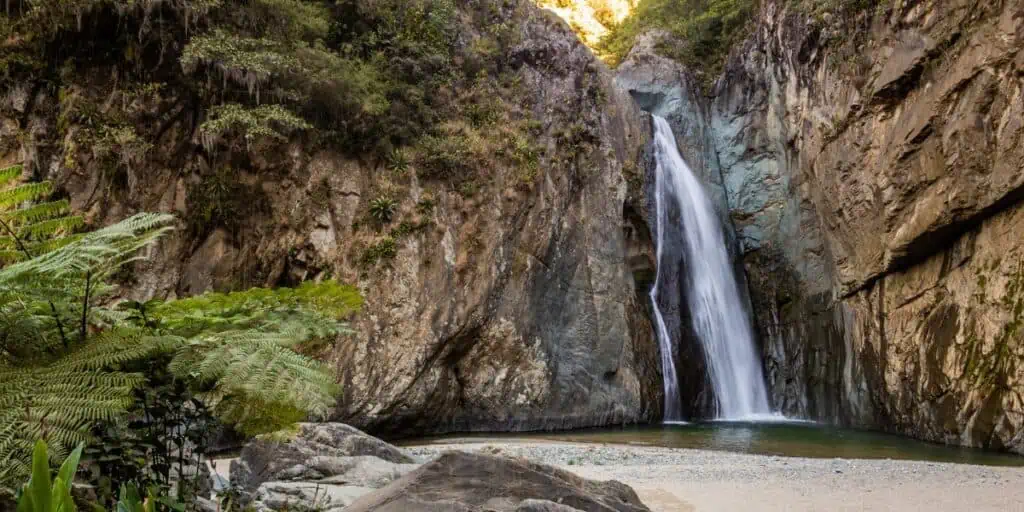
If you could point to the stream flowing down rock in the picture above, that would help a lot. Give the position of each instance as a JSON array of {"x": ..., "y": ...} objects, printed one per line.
[{"x": 473, "y": 482}]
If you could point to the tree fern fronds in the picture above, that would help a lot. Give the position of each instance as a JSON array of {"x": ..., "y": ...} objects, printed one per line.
[
  {"x": 255, "y": 367},
  {"x": 38, "y": 212},
  {"x": 50, "y": 227},
  {"x": 12, "y": 252},
  {"x": 98, "y": 252},
  {"x": 114, "y": 347},
  {"x": 14, "y": 196},
  {"x": 9, "y": 174},
  {"x": 328, "y": 298}
]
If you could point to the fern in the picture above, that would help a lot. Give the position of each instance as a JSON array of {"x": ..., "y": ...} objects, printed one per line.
[
  {"x": 34, "y": 229},
  {"x": 57, "y": 379},
  {"x": 240, "y": 349},
  {"x": 63, "y": 353}
]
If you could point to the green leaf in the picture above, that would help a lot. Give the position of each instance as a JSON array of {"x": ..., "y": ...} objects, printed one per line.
[
  {"x": 25, "y": 501},
  {"x": 40, "y": 483},
  {"x": 173, "y": 505},
  {"x": 60, "y": 496},
  {"x": 70, "y": 465}
]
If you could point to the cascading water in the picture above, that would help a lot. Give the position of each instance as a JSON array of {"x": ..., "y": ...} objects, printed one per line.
[{"x": 713, "y": 296}]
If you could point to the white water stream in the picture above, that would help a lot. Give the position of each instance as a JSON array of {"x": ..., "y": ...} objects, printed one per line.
[{"x": 712, "y": 293}]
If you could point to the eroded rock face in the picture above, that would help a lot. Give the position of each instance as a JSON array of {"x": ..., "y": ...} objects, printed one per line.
[
  {"x": 509, "y": 303},
  {"x": 875, "y": 188},
  {"x": 465, "y": 482},
  {"x": 519, "y": 311},
  {"x": 884, "y": 244}
]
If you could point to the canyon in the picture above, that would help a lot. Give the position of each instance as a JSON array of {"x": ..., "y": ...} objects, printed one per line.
[{"x": 867, "y": 167}]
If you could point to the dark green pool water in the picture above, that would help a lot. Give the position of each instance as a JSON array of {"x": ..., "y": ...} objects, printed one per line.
[{"x": 782, "y": 439}]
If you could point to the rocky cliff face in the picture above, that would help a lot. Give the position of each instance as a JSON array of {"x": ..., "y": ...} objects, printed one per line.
[
  {"x": 519, "y": 311},
  {"x": 508, "y": 301},
  {"x": 874, "y": 184}
]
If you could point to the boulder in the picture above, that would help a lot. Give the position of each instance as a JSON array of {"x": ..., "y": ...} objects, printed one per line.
[
  {"x": 469, "y": 482},
  {"x": 298, "y": 496},
  {"x": 325, "y": 463}
]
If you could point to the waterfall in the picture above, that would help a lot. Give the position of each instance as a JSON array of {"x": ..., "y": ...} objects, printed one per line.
[{"x": 719, "y": 319}]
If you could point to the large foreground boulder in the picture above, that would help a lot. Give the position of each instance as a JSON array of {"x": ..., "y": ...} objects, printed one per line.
[
  {"x": 324, "y": 466},
  {"x": 469, "y": 482}
]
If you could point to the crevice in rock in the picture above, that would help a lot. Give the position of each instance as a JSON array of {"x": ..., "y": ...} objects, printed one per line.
[{"x": 940, "y": 239}]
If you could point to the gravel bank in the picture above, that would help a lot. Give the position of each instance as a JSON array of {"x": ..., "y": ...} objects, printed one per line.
[{"x": 674, "y": 480}]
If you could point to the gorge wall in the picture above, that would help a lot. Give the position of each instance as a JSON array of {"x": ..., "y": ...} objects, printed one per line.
[
  {"x": 492, "y": 207},
  {"x": 872, "y": 165},
  {"x": 503, "y": 257}
]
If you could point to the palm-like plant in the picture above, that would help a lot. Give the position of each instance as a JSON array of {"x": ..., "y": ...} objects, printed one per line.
[{"x": 383, "y": 209}]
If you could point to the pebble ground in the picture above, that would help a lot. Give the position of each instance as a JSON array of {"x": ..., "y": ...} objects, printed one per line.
[{"x": 681, "y": 480}]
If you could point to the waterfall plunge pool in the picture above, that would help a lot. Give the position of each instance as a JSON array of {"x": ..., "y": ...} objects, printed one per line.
[{"x": 776, "y": 438}]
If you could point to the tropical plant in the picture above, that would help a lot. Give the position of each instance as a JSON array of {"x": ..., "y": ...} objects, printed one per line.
[
  {"x": 68, "y": 362},
  {"x": 44, "y": 226},
  {"x": 43, "y": 494},
  {"x": 59, "y": 347},
  {"x": 398, "y": 161},
  {"x": 383, "y": 209},
  {"x": 130, "y": 500}
]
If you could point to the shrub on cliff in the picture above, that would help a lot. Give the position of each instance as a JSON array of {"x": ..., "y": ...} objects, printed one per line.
[{"x": 702, "y": 32}]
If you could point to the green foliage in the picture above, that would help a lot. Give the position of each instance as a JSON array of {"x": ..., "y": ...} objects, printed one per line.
[
  {"x": 55, "y": 371},
  {"x": 67, "y": 363},
  {"x": 220, "y": 199},
  {"x": 702, "y": 31},
  {"x": 43, "y": 494},
  {"x": 130, "y": 501},
  {"x": 301, "y": 307},
  {"x": 425, "y": 205},
  {"x": 344, "y": 68},
  {"x": 448, "y": 157},
  {"x": 367, "y": 78},
  {"x": 41, "y": 227},
  {"x": 383, "y": 209},
  {"x": 264, "y": 121},
  {"x": 398, "y": 161},
  {"x": 382, "y": 250},
  {"x": 239, "y": 349}
]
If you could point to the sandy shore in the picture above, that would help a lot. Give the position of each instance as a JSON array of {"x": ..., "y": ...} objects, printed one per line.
[{"x": 674, "y": 480}]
